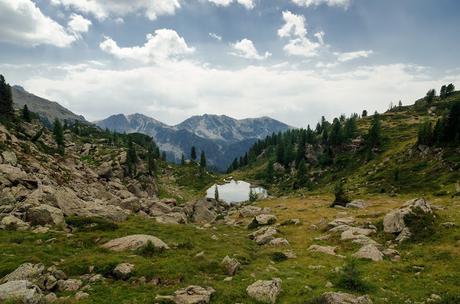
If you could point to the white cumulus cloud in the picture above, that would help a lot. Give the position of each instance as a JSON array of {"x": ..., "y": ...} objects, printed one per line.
[
  {"x": 249, "y": 4},
  {"x": 307, "y": 3},
  {"x": 78, "y": 24},
  {"x": 23, "y": 23},
  {"x": 162, "y": 45},
  {"x": 295, "y": 29},
  {"x": 103, "y": 9},
  {"x": 344, "y": 57},
  {"x": 245, "y": 48}
]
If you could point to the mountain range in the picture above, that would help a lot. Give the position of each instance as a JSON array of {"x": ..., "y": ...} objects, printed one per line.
[{"x": 222, "y": 138}]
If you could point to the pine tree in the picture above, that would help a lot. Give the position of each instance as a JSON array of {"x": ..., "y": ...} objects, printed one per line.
[
  {"x": 450, "y": 89},
  {"x": 335, "y": 137},
  {"x": 216, "y": 193},
  {"x": 59, "y": 136},
  {"x": 203, "y": 160},
  {"x": 443, "y": 92},
  {"x": 374, "y": 134},
  {"x": 26, "y": 113},
  {"x": 6, "y": 99},
  {"x": 430, "y": 95},
  {"x": 350, "y": 128},
  {"x": 364, "y": 114},
  {"x": 301, "y": 176},
  {"x": 193, "y": 153},
  {"x": 163, "y": 156},
  {"x": 341, "y": 198},
  {"x": 269, "y": 172},
  {"x": 151, "y": 161},
  {"x": 280, "y": 153},
  {"x": 131, "y": 158},
  {"x": 182, "y": 159},
  {"x": 452, "y": 127}
]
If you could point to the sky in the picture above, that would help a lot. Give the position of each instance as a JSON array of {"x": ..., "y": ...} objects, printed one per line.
[{"x": 293, "y": 60}]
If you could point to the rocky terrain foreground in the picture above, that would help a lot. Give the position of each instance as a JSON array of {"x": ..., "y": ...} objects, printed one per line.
[{"x": 79, "y": 229}]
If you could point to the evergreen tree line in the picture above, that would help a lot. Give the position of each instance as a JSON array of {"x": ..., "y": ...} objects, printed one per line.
[
  {"x": 445, "y": 132},
  {"x": 290, "y": 147},
  {"x": 444, "y": 92}
]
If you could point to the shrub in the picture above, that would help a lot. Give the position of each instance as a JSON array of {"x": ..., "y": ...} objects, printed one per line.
[
  {"x": 350, "y": 278},
  {"x": 149, "y": 250},
  {"x": 278, "y": 257},
  {"x": 422, "y": 225},
  {"x": 449, "y": 299},
  {"x": 341, "y": 197},
  {"x": 87, "y": 224}
]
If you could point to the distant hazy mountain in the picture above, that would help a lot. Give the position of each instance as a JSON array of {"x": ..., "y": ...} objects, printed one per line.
[
  {"x": 47, "y": 110},
  {"x": 221, "y": 137}
]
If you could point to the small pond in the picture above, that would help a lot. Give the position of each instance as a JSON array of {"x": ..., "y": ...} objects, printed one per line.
[{"x": 235, "y": 192}]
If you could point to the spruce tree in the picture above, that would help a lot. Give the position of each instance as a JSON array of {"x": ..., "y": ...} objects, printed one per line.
[
  {"x": 335, "y": 137},
  {"x": 182, "y": 159},
  {"x": 430, "y": 95},
  {"x": 269, "y": 172},
  {"x": 59, "y": 136},
  {"x": 216, "y": 193},
  {"x": 450, "y": 89},
  {"x": 374, "y": 139},
  {"x": 151, "y": 161},
  {"x": 193, "y": 153},
  {"x": 26, "y": 113},
  {"x": 203, "y": 160},
  {"x": 301, "y": 177},
  {"x": 131, "y": 159},
  {"x": 443, "y": 92},
  {"x": 6, "y": 99}
]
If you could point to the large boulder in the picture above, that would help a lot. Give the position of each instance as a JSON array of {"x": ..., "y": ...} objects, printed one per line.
[
  {"x": 265, "y": 219},
  {"x": 123, "y": 271},
  {"x": 344, "y": 298},
  {"x": 26, "y": 271},
  {"x": 21, "y": 291},
  {"x": 190, "y": 295},
  {"x": 394, "y": 222},
  {"x": 204, "y": 211},
  {"x": 323, "y": 249},
  {"x": 9, "y": 158},
  {"x": 172, "y": 218},
  {"x": 265, "y": 291},
  {"x": 264, "y": 235},
  {"x": 369, "y": 252},
  {"x": 45, "y": 215},
  {"x": 105, "y": 170},
  {"x": 69, "y": 285},
  {"x": 252, "y": 211},
  {"x": 11, "y": 222},
  {"x": 230, "y": 265},
  {"x": 134, "y": 242}
]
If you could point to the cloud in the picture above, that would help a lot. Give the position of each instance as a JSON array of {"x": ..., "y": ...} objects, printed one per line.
[
  {"x": 299, "y": 44},
  {"x": 173, "y": 91},
  {"x": 23, "y": 23},
  {"x": 78, "y": 24},
  {"x": 215, "y": 36},
  {"x": 249, "y": 4},
  {"x": 344, "y": 57},
  {"x": 307, "y": 3},
  {"x": 163, "y": 44},
  {"x": 245, "y": 48},
  {"x": 102, "y": 9}
]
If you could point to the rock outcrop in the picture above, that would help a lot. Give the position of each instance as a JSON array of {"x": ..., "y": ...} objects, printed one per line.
[
  {"x": 265, "y": 291},
  {"x": 134, "y": 242}
]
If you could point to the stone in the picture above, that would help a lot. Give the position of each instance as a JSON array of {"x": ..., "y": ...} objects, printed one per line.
[
  {"x": 344, "y": 298},
  {"x": 323, "y": 249},
  {"x": 20, "y": 290},
  {"x": 354, "y": 232},
  {"x": 123, "y": 271},
  {"x": 203, "y": 211},
  {"x": 265, "y": 291},
  {"x": 263, "y": 235},
  {"x": 11, "y": 222},
  {"x": 131, "y": 203},
  {"x": 369, "y": 252},
  {"x": 230, "y": 265},
  {"x": 10, "y": 158},
  {"x": 356, "y": 204},
  {"x": 265, "y": 219},
  {"x": 26, "y": 271},
  {"x": 278, "y": 242},
  {"x": 190, "y": 295},
  {"x": 134, "y": 242},
  {"x": 159, "y": 208},
  {"x": 69, "y": 285},
  {"x": 45, "y": 215},
  {"x": 50, "y": 298},
  {"x": 80, "y": 295},
  {"x": 393, "y": 222},
  {"x": 252, "y": 211},
  {"x": 172, "y": 218},
  {"x": 404, "y": 235},
  {"x": 105, "y": 170},
  {"x": 342, "y": 221}
]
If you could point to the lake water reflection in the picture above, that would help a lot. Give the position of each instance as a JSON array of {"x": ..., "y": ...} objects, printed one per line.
[{"x": 235, "y": 192}]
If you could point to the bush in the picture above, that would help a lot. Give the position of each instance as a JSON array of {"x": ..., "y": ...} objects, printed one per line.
[
  {"x": 422, "y": 225},
  {"x": 278, "y": 257},
  {"x": 149, "y": 250},
  {"x": 341, "y": 197},
  {"x": 87, "y": 224},
  {"x": 350, "y": 278},
  {"x": 449, "y": 299}
]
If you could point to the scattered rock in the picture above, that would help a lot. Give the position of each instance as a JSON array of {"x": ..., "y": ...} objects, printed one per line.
[
  {"x": 252, "y": 211},
  {"x": 230, "y": 265},
  {"x": 323, "y": 249},
  {"x": 278, "y": 242},
  {"x": 21, "y": 290},
  {"x": 26, "y": 271},
  {"x": 263, "y": 235},
  {"x": 81, "y": 295},
  {"x": 123, "y": 271},
  {"x": 133, "y": 242},
  {"x": 356, "y": 204},
  {"x": 10, "y": 222},
  {"x": 265, "y": 291},
  {"x": 369, "y": 252},
  {"x": 190, "y": 295},
  {"x": 393, "y": 222},
  {"x": 344, "y": 298},
  {"x": 45, "y": 215},
  {"x": 342, "y": 221},
  {"x": 69, "y": 285},
  {"x": 265, "y": 219}
]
